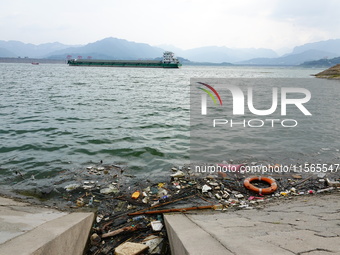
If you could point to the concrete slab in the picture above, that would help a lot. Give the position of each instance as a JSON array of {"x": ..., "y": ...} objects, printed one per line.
[
  {"x": 188, "y": 238},
  {"x": 305, "y": 225},
  {"x": 17, "y": 218},
  {"x": 32, "y": 230}
]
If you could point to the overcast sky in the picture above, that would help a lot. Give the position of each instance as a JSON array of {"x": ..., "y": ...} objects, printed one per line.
[{"x": 273, "y": 24}]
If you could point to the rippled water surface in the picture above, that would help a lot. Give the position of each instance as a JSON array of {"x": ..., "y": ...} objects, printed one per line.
[{"x": 56, "y": 117}]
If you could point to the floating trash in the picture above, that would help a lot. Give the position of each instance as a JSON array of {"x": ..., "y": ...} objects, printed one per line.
[
  {"x": 129, "y": 209},
  {"x": 135, "y": 195},
  {"x": 108, "y": 190},
  {"x": 156, "y": 225},
  {"x": 72, "y": 186}
]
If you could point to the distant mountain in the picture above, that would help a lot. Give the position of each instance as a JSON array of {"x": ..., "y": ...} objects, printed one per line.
[
  {"x": 168, "y": 47},
  {"x": 20, "y": 49},
  {"x": 217, "y": 54},
  {"x": 332, "y": 46},
  {"x": 111, "y": 48},
  {"x": 114, "y": 48},
  {"x": 322, "y": 62},
  {"x": 290, "y": 59},
  {"x": 4, "y": 53},
  {"x": 187, "y": 62},
  {"x": 301, "y": 54}
]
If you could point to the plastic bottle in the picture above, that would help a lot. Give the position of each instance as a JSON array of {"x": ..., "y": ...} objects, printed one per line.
[{"x": 137, "y": 218}]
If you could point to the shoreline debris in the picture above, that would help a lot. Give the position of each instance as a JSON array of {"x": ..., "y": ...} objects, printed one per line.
[{"x": 130, "y": 210}]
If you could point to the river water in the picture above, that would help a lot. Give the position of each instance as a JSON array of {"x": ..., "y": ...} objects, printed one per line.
[{"x": 55, "y": 117}]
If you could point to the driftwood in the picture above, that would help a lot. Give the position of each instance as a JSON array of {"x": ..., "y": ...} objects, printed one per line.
[
  {"x": 159, "y": 205},
  {"x": 301, "y": 182},
  {"x": 175, "y": 210},
  {"x": 119, "y": 231}
]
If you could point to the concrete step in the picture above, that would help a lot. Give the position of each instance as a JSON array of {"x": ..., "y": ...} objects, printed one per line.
[
  {"x": 300, "y": 225},
  {"x": 186, "y": 237},
  {"x": 27, "y": 229}
]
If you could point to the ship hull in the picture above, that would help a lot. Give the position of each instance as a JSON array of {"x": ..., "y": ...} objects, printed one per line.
[{"x": 122, "y": 63}]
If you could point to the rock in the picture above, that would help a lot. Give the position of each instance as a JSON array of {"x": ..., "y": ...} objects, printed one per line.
[
  {"x": 129, "y": 248},
  {"x": 330, "y": 73}
]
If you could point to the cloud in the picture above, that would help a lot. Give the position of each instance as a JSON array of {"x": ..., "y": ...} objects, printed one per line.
[
  {"x": 316, "y": 14},
  {"x": 184, "y": 23}
]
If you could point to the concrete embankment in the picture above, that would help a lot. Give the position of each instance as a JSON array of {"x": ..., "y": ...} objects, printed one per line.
[
  {"x": 304, "y": 225},
  {"x": 27, "y": 229}
]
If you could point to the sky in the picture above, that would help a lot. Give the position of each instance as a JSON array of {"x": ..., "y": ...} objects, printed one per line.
[{"x": 275, "y": 24}]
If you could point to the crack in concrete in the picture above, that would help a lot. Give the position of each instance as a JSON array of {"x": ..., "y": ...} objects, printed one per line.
[
  {"x": 280, "y": 223},
  {"x": 284, "y": 248},
  {"x": 307, "y": 229},
  {"x": 317, "y": 249},
  {"x": 335, "y": 235},
  {"x": 318, "y": 232},
  {"x": 277, "y": 211},
  {"x": 321, "y": 217}
]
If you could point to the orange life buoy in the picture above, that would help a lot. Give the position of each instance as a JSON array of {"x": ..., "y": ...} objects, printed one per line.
[{"x": 269, "y": 180}]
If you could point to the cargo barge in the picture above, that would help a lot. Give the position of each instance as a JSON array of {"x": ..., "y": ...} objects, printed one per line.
[{"x": 168, "y": 61}]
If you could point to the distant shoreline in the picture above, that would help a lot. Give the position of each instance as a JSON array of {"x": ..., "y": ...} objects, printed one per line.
[
  {"x": 184, "y": 63},
  {"x": 32, "y": 60}
]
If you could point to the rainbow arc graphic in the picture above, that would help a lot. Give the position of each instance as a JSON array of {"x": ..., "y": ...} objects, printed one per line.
[{"x": 211, "y": 92}]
